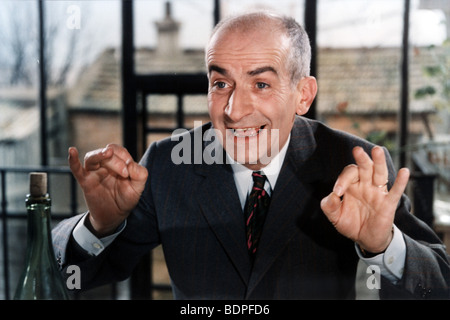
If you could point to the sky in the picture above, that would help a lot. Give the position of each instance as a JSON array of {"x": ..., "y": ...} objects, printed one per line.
[{"x": 341, "y": 23}]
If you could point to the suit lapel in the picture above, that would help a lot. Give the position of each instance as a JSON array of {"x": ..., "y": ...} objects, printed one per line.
[{"x": 220, "y": 206}]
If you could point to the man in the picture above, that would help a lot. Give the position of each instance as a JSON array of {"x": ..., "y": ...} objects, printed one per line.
[{"x": 333, "y": 199}]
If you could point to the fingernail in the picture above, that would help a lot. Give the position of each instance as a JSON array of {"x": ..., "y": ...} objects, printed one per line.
[{"x": 125, "y": 172}]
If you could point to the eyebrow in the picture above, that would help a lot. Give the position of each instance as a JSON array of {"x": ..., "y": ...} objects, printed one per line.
[
  {"x": 250, "y": 73},
  {"x": 262, "y": 70},
  {"x": 217, "y": 69}
]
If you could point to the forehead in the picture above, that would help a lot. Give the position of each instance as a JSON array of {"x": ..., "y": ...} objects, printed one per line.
[{"x": 260, "y": 45}]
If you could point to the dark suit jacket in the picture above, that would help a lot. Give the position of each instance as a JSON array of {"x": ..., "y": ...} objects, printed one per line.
[{"x": 193, "y": 210}]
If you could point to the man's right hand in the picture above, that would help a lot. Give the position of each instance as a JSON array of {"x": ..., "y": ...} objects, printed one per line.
[{"x": 112, "y": 183}]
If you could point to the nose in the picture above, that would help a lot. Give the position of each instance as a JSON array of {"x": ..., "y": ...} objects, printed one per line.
[{"x": 239, "y": 105}]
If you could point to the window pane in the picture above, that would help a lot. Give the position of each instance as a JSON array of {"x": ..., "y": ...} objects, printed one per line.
[
  {"x": 19, "y": 107},
  {"x": 358, "y": 67},
  {"x": 293, "y": 8},
  {"x": 19, "y": 124},
  {"x": 430, "y": 90}
]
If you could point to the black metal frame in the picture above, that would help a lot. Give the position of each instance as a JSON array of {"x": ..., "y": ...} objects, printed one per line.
[
  {"x": 404, "y": 95},
  {"x": 42, "y": 86}
]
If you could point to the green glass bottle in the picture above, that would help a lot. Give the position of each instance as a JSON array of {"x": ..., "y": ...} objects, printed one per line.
[{"x": 41, "y": 278}]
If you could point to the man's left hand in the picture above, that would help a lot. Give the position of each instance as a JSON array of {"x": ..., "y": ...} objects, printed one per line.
[{"x": 360, "y": 206}]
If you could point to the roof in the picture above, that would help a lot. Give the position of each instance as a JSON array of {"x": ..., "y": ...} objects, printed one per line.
[
  {"x": 19, "y": 106},
  {"x": 364, "y": 80},
  {"x": 367, "y": 80},
  {"x": 99, "y": 86},
  {"x": 12, "y": 120}
]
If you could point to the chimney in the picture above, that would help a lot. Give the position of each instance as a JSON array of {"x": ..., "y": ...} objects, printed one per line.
[{"x": 168, "y": 28}]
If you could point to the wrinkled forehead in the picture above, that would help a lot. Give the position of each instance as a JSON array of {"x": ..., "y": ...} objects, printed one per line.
[
  {"x": 247, "y": 30},
  {"x": 247, "y": 41}
]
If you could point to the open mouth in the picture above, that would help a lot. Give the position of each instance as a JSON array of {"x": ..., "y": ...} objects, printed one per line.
[{"x": 247, "y": 132}]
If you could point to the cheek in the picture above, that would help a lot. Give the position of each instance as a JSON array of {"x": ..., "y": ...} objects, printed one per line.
[
  {"x": 210, "y": 103},
  {"x": 216, "y": 113},
  {"x": 282, "y": 107},
  {"x": 214, "y": 106}
]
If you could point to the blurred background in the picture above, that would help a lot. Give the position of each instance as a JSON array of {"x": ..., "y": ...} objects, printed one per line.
[{"x": 89, "y": 73}]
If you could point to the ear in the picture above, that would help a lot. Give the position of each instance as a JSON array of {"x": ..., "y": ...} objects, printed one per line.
[{"x": 306, "y": 91}]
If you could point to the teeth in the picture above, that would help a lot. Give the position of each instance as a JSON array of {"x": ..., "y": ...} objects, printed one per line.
[{"x": 246, "y": 132}]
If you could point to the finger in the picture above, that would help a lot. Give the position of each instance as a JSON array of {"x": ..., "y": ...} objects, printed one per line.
[
  {"x": 331, "y": 207},
  {"x": 348, "y": 176},
  {"x": 365, "y": 165},
  {"x": 112, "y": 158},
  {"x": 120, "y": 160},
  {"x": 380, "y": 170},
  {"x": 136, "y": 171},
  {"x": 75, "y": 164},
  {"x": 120, "y": 152},
  {"x": 399, "y": 186},
  {"x": 116, "y": 165},
  {"x": 93, "y": 159}
]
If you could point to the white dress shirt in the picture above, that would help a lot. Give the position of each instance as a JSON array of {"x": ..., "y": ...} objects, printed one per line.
[{"x": 243, "y": 175}]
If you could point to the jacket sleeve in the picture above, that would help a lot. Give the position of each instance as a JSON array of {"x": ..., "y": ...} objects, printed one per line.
[
  {"x": 427, "y": 270},
  {"x": 61, "y": 237},
  {"x": 117, "y": 261},
  {"x": 426, "y": 274}
]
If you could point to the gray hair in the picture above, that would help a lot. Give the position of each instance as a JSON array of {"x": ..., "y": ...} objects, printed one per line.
[{"x": 299, "y": 58}]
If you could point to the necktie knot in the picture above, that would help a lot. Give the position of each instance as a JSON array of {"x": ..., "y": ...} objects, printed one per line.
[{"x": 258, "y": 180}]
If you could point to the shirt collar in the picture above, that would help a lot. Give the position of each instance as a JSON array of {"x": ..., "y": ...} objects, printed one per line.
[{"x": 242, "y": 175}]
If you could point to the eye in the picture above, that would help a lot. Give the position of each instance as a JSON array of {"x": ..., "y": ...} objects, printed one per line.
[
  {"x": 262, "y": 85},
  {"x": 220, "y": 84}
]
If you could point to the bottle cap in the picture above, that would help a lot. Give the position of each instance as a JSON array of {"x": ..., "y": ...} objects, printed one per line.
[{"x": 38, "y": 183}]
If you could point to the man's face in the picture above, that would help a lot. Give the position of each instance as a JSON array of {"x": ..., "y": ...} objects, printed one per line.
[{"x": 251, "y": 100}]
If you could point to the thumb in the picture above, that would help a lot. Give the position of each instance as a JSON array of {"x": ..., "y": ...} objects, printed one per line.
[
  {"x": 138, "y": 173},
  {"x": 331, "y": 206}
]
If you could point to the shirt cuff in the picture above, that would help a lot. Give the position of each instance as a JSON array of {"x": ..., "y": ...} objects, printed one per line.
[
  {"x": 392, "y": 261},
  {"x": 93, "y": 245}
]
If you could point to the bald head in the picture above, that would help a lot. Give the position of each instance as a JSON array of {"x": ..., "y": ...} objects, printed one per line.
[{"x": 299, "y": 57}]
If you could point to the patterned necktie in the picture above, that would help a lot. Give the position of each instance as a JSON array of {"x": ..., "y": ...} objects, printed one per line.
[{"x": 256, "y": 209}]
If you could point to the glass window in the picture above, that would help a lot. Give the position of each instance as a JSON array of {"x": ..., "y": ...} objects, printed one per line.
[
  {"x": 430, "y": 90},
  {"x": 80, "y": 101},
  {"x": 359, "y": 59}
]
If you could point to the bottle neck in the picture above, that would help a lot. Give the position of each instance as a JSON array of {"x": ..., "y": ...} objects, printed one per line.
[
  {"x": 41, "y": 279},
  {"x": 39, "y": 236}
]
